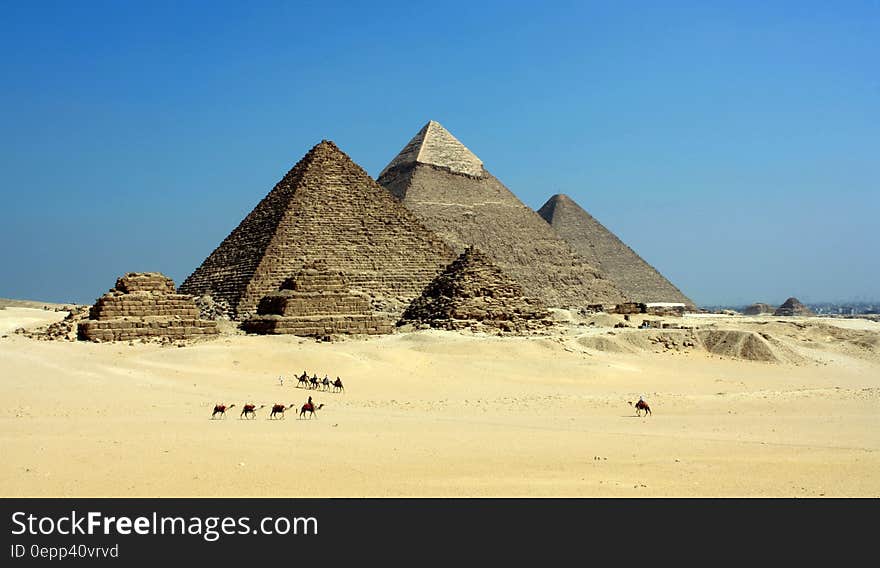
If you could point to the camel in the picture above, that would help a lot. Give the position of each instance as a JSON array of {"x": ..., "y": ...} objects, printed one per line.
[
  {"x": 337, "y": 385},
  {"x": 310, "y": 407},
  {"x": 325, "y": 384},
  {"x": 250, "y": 409},
  {"x": 313, "y": 382},
  {"x": 303, "y": 380},
  {"x": 278, "y": 409},
  {"x": 221, "y": 410},
  {"x": 640, "y": 406}
]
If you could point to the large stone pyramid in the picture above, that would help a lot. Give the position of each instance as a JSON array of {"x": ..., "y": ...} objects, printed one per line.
[
  {"x": 636, "y": 278},
  {"x": 474, "y": 291},
  {"x": 447, "y": 187},
  {"x": 326, "y": 208}
]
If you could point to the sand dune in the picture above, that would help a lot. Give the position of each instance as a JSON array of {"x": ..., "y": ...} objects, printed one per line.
[{"x": 441, "y": 413}]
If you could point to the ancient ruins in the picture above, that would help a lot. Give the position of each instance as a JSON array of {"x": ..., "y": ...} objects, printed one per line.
[
  {"x": 633, "y": 276},
  {"x": 793, "y": 307},
  {"x": 473, "y": 292},
  {"x": 448, "y": 188},
  {"x": 317, "y": 302},
  {"x": 144, "y": 305},
  {"x": 326, "y": 207},
  {"x": 758, "y": 309}
]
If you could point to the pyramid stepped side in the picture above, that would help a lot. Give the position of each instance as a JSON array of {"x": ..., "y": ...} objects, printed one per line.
[
  {"x": 473, "y": 290},
  {"x": 316, "y": 303},
  {"x": 599, "y": 246},
  {"x": 327, "y": 208},
  {"x": 465, "y": 210},
  {"x": 144, "y": 305}
]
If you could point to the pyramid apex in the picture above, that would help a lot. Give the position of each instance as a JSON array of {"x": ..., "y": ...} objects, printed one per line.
[{"x": 436, "y": 146}]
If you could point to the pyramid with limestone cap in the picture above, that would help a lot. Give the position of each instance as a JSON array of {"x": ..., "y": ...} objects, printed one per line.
[
  {"x": 326, "y": 208},
  {"x": 447, "y": 187},
  {"x": 436, "y": 146},
  {"x": 602, "y": 248}
]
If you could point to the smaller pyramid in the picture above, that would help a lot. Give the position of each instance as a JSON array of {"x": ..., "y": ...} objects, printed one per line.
[
  {"x": 793, "y": 307},
  {"x": 316, "y": 302},
  {"x": 637, "y": 279},
  {"x": 758, "y": 309},
  {"x": 473, "y": 291},
  {"x": 144, "y": 305}
]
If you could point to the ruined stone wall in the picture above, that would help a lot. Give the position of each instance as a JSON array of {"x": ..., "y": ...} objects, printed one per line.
[
  {"x": 319, "y": 326},
  {"x": 145, "y": 327},
  {"x": 603, "y": 249},
  {"x": 137, "y": 304},
  {"x": 469, "y": 210},
  {"x": 326, "y": 208}
]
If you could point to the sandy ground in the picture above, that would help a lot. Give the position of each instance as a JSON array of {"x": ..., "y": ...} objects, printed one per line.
[{"x": 442, "y": 414}]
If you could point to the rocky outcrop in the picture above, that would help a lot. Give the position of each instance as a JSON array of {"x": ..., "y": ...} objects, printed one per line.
[
  {"x": 317, "y": 302},
  {"x": 475, "y": 293},
  {"x": 144, "y": 305},
  {"x": 793, "y": 307},
  {"x": 446, "y": 186},
  {"x": 326, "y": 207},
  {"x": 758, "y": 309}
]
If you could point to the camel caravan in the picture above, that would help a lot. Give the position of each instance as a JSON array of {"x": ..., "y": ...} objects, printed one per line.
[
  {"x": 249, "y": 410},
  {"x": 314, "y": 383}
]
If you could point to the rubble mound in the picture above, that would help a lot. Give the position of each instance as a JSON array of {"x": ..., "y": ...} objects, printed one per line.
[
  {"x": 473, "y": 292},
  {"x": 64, "y": 330},
  {"x": 144, "y": 305},
  {"x": 211, "y": 309},
  {"x": 746, "y": 345}
]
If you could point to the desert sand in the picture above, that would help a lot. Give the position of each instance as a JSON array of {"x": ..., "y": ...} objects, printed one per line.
[{"x": 433, "y": 413}]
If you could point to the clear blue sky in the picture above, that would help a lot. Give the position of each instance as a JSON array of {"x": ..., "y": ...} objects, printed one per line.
[{"x": 735, "y": 146}]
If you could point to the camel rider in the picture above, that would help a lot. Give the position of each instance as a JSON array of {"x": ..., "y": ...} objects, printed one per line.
[{"x": 310, "y": 403}]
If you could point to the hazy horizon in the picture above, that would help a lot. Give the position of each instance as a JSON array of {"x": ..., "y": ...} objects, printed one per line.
[{"x": 733, "y": 147}]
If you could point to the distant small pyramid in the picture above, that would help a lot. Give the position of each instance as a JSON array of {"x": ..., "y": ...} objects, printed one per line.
[
  {"x": 440, "y": 180},
  {"x": 473, "y": 290},
  {"x": 793, "y": 307},
  {"x": 326, "y": 207},
  {"x": 602, "y": 248}
]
